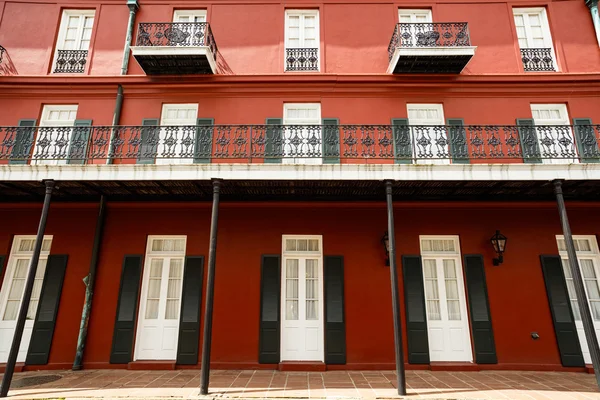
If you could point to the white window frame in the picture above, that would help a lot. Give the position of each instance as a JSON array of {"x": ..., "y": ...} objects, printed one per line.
[
  {"x": 549, "y": 42},
  {"x": 164, "y": 121},
  {"x": 295, "y": 12},
  {"x": 412, "y": 122},
  {"x": 189, "y": 13},
  {"x": 62, "y": 31},
  {"x": 564, "y": 121},
  {"x": 414, "y": 11},
  {"x": 286, "y": 133},
  {"x": 45, "y": 123}
]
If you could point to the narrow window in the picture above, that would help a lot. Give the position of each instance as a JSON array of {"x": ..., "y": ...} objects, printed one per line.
[
  {"x": 54, "y": 134},
  {"x": 73, "y": 41},
  {"x": 535, "y": 41},
  {"x": 429, "y": 135},
  {"x": 554, "y": 133},
  {"x": 302, "y": 40},
  {"x": 177, "y": 134},
  {"x": 302, "y": 141}
]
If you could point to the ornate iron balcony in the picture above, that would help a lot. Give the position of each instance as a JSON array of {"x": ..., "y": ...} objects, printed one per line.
[
  {"x": 302, "y": 59},
  {"x": 2, "y": 51},
  {"x": 446, "y": 34},
  {"x": 70, "y": 61},
  {"x": 301, "y": 143},
  {"x": 537, "y": 60},
  {"x": 176, "y": 34}
]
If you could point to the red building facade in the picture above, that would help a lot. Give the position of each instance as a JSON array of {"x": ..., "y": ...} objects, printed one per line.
[{"x": 300, "y": 111}]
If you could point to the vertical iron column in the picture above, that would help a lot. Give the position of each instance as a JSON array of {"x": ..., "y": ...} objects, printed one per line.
[
  {"x": 210, "y": 290},
  {"x": 89, "y": 281},
  {"x": 401, "y": 382},
  {"x": 582, "y": 300},
  {"x": 35, "y": 258}
]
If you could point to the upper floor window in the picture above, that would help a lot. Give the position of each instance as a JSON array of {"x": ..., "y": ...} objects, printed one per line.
[
  {"x": 554, "y": 134},
  {"x": 302, "y": 143},
  {"x": 535, "y": 41},
  {"x": 429, "y": 135},
  {"x": 73, "y": 41},
  {"x": 55, "y": 135},
  {"x": 416, "y": 28},
  {"x": 189, "y": 16},
  {"x": 414, "y": 16},
  {"x": 302, "y": 40}
]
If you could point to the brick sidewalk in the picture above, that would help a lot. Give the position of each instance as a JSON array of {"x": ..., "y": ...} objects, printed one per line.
[{"x": 314, "y": 385}]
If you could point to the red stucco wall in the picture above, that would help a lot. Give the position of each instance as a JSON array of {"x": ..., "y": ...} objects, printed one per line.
[{"x": 517, "y": 295}]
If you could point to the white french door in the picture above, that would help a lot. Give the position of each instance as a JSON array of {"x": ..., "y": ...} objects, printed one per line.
[
  {"x": 533, "y": 31},
  {"x": 428, "y": 133},
  {"x": 447, "y": 320},
  {"x": 554, "y": 133},
  {"x": 11, "y": 294},
  {"x": 158, "y": 320},
  {"x": 197, "y": 32},
  {"x": 302, "y": 299},
  {"x": 302, "y": 29},
  {"x": 409, "y": 32},
  {"x": 588, "y": 256},
  {"x": 303, "y": 140},
  {"x": 53, "y": 138},
  {"x": 177, "y": 134}
]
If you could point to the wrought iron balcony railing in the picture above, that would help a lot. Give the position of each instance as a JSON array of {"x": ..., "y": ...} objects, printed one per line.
[
  {"x": 176, "y": 34},
  {"x": 70, "y": 61},
  {"x": 537, "y": 60},
  {"x": 302, "y": 59},
  {"x": 2, "y": 51},
  {"x": 442, "y": 34},
  {"x": 301, "y": 143}
]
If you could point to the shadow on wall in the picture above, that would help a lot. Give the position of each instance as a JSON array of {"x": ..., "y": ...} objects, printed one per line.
[
  {"x": 222, "y": 67},
  {"x": 7, "y": 67}
]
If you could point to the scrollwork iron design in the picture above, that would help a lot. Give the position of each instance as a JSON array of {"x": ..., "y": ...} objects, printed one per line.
[
  {"x": 535, "y": 60},
  {"x": 302, "y": 59},
  {"x": 70, "y": 61},
  {"x": 444, "y": 34},
  {"x": 176, "y": 34}
]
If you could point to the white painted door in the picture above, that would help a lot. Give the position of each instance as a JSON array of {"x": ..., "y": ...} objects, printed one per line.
[
  {"x": 554, "y": 133},
  {"x": 428, "y": 133},
  {"x": 409, "y": 31},
  {"x": 588, "y": 255},
  {"x": 447, "y": 320},
  {"x": 76, "y": 30},
  {"x": 177, "y": 134},
  {"x": 302, "y": 299},
  {"x": 12, "y": 290},
  {"x": 533, "y": 31},
  {"x": 302, "y": 29},
  {"x": 303, "y": 140},
  {"x": 53, "y": 138},
  {"x": 158, "y": 320},
  {"x": 196, "y": 31}
]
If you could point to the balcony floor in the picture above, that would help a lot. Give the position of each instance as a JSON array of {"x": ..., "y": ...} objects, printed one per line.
[
  {"x": 175, "y": 60},
  {"x": 430, "y": 60}
]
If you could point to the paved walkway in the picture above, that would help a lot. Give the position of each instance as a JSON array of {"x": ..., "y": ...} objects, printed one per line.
[{"x": 314, "y": 385}]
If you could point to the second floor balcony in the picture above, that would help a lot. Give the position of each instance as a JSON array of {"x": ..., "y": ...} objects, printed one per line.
[
  {"x": 430, "y": 48},
  {"x": 302, "y": 144},
  {"x": 176, "y": 48}
]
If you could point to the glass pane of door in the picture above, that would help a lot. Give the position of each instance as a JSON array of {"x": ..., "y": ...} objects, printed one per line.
[{"x": 291, "y": 289}]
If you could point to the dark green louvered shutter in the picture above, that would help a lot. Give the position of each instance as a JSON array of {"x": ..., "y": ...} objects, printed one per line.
[
  {"x": 189, "y": 318},
  {"x": 562, "y": 315},
  {"x": 331, "y": 141},
  {"x": 458, "y": 141},
  {"x": 80, "y": 137},
  {"x": 402, "y": 141},
  {"x": 479, "y": 311},
  {"x": 335, "y": 321},
  {"x": 587, "y": 143},
  {"x": 45, "y": 319},
  {"x": 149, "y": 138},
  {"x": 269, "y": 330},
  {"x": 274, "y": 140},
  {"x": 204, "y": 140},
  {"x": 23, "y": 141},
  {"x": 122, "y": 344},
  {"x": 416, "y": 317},
  {"x": 530, "y": 147}
]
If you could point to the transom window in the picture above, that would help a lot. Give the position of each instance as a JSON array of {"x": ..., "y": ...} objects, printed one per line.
[{"x": 189, "y": 16}]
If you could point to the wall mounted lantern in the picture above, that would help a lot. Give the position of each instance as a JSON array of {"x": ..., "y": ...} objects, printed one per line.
[
  {"x": 385, "y": 241},
  {"x": 499, "y": 243}
]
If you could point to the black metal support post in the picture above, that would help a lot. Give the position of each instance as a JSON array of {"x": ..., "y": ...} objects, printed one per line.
[
  {"x": 35, "y": 258},
  {"x": 89, "y": 281},
  {"x": 582, "y": 300},
  {"x": 401, "y": 383},
  {"x": 210, "y": 290}
]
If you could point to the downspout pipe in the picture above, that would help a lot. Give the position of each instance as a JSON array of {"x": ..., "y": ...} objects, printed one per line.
[
  {"x": 89, "y": 281},
  {"x": 593, "y": 6}
]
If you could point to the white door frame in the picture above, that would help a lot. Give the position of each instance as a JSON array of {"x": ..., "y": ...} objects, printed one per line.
[
  {"x": 305, "y": 133},
  {"x": 144, "y": 290},
  {"x": 301, "y": 293},
  {"x": 456, "y": 256},
  {"x": 556, "y": 132},
  {"x": 433, "y": 133},
  {"x": 179, "y": 134}
]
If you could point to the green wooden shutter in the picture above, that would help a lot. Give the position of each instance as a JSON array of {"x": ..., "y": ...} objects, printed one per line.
[
  {"x": 402, "y": 141},
  {"x": 585, "y": 137},
  {"x": 122, "y": 343},
  {"x": 335, "y": 321},
  {"x": 204, "y": 140},
  {"x": 530, "y": 146},
  {"x": 457, "y": 133},
  {"x": 149, "y": 138},
  {"x": 80, "y": 137},
  {"x": 479, "y": 311},
  {"x": 562, "y": 315},
  {"x": 189, "y": 318},
  {"x": 45, "y": 319},
  {"x": 416, "y": 318},
  {"x": 21, "y": 150},
  {"x": 274, "y": 141},
  {"x": 269, "y": 331},
  {"x": 331, "y": 141}
]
